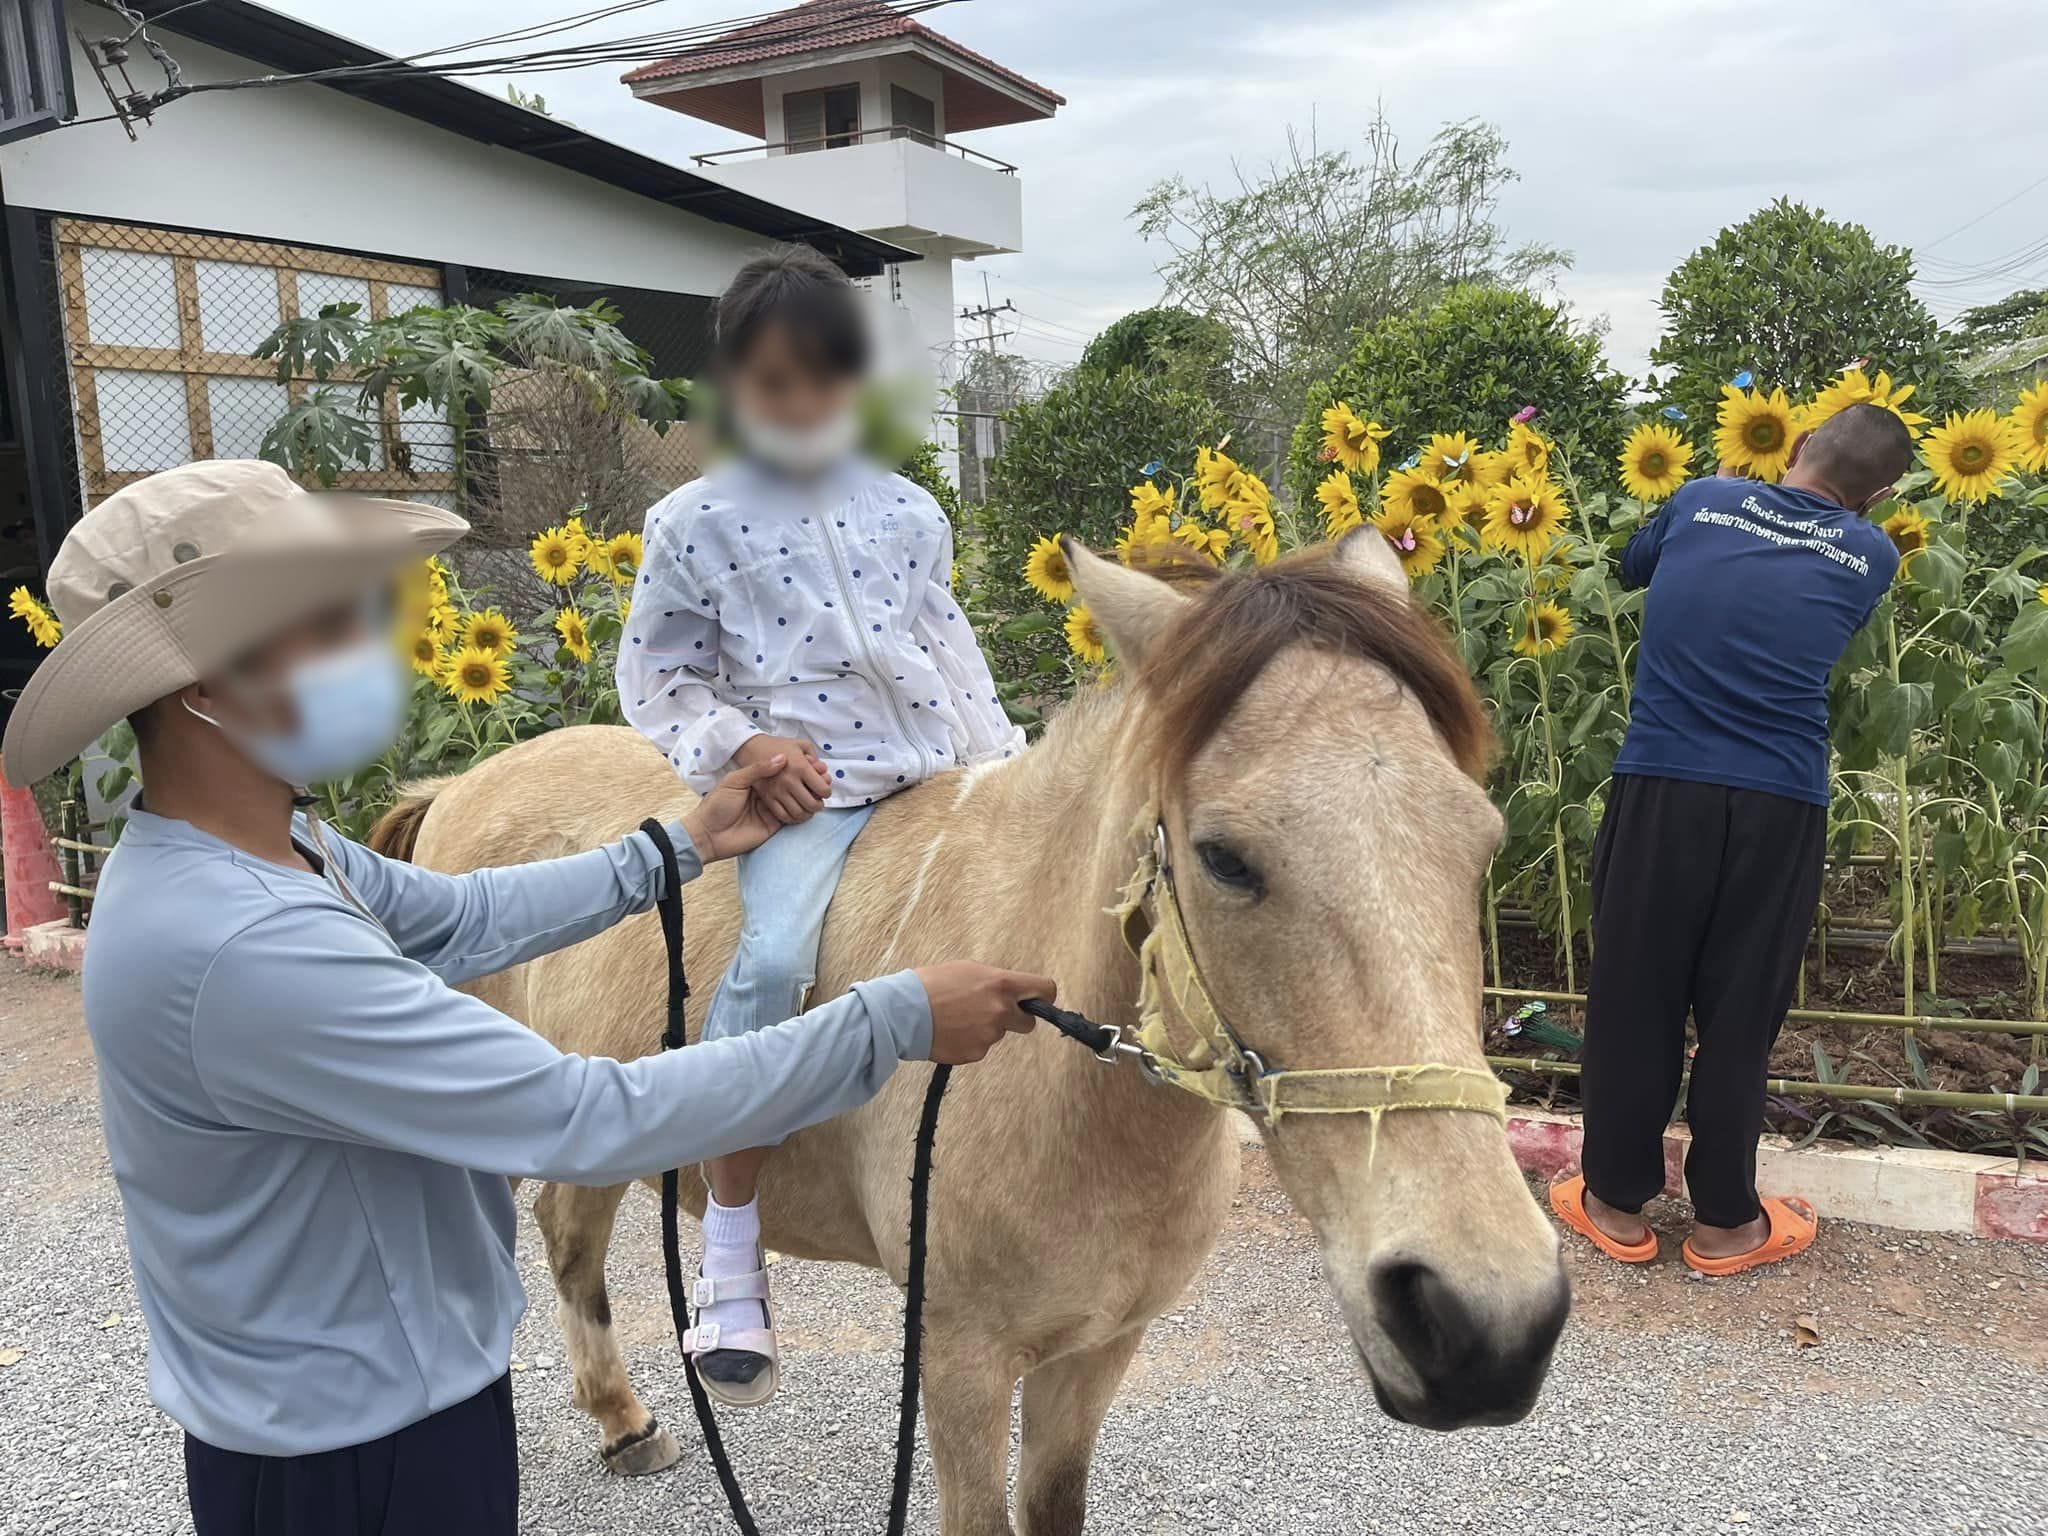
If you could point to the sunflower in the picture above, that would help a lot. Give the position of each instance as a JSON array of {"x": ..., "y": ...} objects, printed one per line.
[
  {"x": 1971, "y": 453},
  {"x": 1527, "y": 452},
  {"x": 1453, "y": 458},
  {"x": 1350, "y": 441},
  {"x": 426, "y": 655},
  {"x": 1544, "y": 628},
  {"x": 574, "y": 633},
  {"x": 42, "y": 623},
  {"x": 1653, "y": 461},
  {"x": 1339, "y": 497},
  {"x": 1414, "y": 494},
  {"x": 1249, "y": 514},
  {"x": 437, "y": 582},
  {"x": 488, "y": 630},
  {"x": 1046, "y": 569},
  {"x": 1084, "y": 635},
  {"x": 1467, "y": 507},
  {"x": 475, "y": 676},
  {"x": 1755, "y": 432},
  {"x": 625, "y": 609},
  {"x": 578, "y": 536},
  {"x": 1523, "y": 517},
  {"x": 1491, "y": 466},
  {"x": 1855, "y": 387},
  {"x": 1907, "y": 530},
  {"x": 557, "y": 554},
  {"x": 1213, "y": 472},
  {"x": 1414, "y": 540},
  {"x": 1148, "y": 502},
  {"x": 2030, "y": 424},
  {"x": 440, "y": 622},
  {"x": 1208, "y": 543},
  {"x": 617, "y": 557}
]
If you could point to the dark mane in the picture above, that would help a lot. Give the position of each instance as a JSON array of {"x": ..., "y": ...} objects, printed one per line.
[{"x": 1240, "y": 620}]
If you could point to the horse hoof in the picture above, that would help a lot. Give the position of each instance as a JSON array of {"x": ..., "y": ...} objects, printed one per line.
[{"x": 652, "y": 1449}]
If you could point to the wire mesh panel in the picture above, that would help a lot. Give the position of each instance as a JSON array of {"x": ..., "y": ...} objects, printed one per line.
[{"x": 159, "y": 327}]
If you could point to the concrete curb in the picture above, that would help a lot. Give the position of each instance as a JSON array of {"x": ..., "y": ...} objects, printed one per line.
[
  {"x": 54, "y": 946},
  {"x": 1904, "y": 1188}
]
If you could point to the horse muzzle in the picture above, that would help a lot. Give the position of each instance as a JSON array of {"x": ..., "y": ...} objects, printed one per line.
[{"x": 1450, "y": 1360}]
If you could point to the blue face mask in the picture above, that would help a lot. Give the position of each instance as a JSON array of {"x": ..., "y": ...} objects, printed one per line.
[{"x": 349, "y": 705}]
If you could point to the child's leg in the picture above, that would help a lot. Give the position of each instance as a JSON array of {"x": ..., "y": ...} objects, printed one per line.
[{"x": 785, "y": 886}]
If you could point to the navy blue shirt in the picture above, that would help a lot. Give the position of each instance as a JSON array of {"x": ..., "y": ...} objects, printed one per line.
[{"x": 1755, "y": 591}]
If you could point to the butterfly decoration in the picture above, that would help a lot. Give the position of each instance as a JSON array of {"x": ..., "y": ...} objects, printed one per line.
[
  {"x": 1742, "y": 380},
  {"x": 1153, "y": 468},
  {"x": 1861, "y": 362},
  {"x": 1524, "y": 416},
  {"x": 1672, "y": 413},
  {"x": 1412, "y": 460}
]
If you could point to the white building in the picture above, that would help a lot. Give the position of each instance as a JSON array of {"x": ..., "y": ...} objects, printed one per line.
[
  {"x": 858, "y": 110},
  {"x": 138, "y": 271}
]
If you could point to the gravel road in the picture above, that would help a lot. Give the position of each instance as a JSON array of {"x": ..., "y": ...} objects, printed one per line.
[{"x": 1677, "y": 1405}]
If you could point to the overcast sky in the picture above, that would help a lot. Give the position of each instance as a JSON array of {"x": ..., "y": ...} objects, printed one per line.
[{"x": 1639, "y": 127}]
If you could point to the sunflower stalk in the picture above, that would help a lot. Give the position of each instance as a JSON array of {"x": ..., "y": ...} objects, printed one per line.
[
  {"x": 1902, "y": 790},
  {"x": 1599, "y": 552},
  {"x": 1555, "y": 770}
]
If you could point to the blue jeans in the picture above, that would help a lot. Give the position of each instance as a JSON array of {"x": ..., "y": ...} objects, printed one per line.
[{"x": 785, "y": 886}]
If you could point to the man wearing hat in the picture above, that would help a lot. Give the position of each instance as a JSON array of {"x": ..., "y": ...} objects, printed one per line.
[{"x": 312, "y": 1131}]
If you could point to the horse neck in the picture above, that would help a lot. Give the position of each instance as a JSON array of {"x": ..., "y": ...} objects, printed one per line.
[{"x": 1067, "y": 824}]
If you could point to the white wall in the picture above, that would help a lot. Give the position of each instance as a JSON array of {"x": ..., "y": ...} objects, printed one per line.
[
  {"x": 306, "y": 164},
  {"x": 897, "y": 189}
]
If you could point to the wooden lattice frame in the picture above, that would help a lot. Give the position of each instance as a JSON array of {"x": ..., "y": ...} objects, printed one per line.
[{"x": 190, "y": 357}]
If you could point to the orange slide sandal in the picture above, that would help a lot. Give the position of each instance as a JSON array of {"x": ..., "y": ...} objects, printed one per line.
[
  {"x": 1793, "y": 1226},
  {"x": 1568, "y": 1199}
]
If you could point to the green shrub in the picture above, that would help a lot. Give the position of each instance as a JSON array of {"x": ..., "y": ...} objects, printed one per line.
[
  {"x": 1466, "y": 364},
  {"x": 1175, "y": 343},
  {"x": 1793, "y": 297},
  {"x": 1067, "y": 466}
]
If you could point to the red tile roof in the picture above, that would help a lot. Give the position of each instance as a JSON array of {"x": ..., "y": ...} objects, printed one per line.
[{"x": 818, "y": 26}]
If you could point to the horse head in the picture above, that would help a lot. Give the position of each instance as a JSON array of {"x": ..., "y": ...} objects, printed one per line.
[{"x": 1317, "y": 749}]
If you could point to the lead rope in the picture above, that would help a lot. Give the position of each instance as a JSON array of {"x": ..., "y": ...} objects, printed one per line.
[{"x": 670, "y": 907}]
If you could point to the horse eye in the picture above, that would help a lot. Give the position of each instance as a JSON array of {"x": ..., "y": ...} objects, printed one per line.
[{"x": 1226, "y": 868}]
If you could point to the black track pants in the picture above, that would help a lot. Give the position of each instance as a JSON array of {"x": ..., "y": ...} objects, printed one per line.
[
  {"x": 1703, "y": 897},
  {"x": 456, "y": 1471}
]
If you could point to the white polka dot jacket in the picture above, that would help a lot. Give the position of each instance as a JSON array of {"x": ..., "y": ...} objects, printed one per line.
[{"x": 817, "y": 610}]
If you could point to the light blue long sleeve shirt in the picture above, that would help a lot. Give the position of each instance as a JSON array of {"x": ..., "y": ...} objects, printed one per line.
[{"x": 312, "y": 1131}]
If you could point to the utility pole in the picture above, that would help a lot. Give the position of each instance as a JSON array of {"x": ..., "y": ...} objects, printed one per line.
[{"x": 986, "y": 313}]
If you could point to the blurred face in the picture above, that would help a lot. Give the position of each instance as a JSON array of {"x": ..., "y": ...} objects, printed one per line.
[
  {"x": 775, "y": 384},
  {"x": 254, "y": 693}
]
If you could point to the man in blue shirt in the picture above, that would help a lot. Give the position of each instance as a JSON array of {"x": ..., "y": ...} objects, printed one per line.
[
  {"x": 1708, "y": 863},
  {"x": 313, "y": 1133}
]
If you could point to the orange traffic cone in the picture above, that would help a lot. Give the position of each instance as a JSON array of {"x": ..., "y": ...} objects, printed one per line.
[{"x": 30, "y": 863}]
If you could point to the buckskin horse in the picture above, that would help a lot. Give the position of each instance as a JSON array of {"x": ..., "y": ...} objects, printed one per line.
[{"x": 1305, "y": 749}]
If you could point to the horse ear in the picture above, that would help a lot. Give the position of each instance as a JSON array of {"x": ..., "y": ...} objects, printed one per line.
[
  {"x": 1133, "y": 609},
  {"x": 1365, "y": 553}
]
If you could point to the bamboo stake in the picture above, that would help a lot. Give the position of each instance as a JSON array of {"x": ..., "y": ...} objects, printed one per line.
[
  {"x": 2035, "y": 1027},
  {"x": 1907, "y": 905},
  {"x": 1931, "y": 1098}
]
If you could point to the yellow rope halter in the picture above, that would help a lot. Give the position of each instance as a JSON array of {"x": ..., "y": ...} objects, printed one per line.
[{"x": 1222, "y": 1070}]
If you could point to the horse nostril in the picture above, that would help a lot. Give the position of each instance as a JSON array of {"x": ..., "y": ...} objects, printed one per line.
[{"x": 1424, "y": 1316}]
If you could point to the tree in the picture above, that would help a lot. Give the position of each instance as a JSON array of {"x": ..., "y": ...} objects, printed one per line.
[
  {"x": 1793, "y": 297},
  {"x": 1164, "y": 340},
  {"x": 2001, "y": 347},
  {"x": 1466, "y": 364},
  {"x": 1306, "y": 252}
]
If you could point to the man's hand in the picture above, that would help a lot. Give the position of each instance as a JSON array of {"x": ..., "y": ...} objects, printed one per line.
[
  {"x": 975, "y": 1005},
  {"x": 734, "y": 818},
  {"x": 795, "y": 791}
]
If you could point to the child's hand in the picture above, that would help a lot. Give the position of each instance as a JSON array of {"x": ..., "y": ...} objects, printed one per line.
[
  {"x": 734, "y": 819},
  {"x": 796, "y": 792}
]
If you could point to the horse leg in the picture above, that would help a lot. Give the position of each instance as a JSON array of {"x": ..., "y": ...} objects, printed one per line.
[
  {"x": 1064, "y": 1403},
  {"x": 577, "y": 1225},
  {"x": 967, "y": 1420}
]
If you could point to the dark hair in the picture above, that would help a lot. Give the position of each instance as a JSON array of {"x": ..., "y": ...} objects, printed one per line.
[
  {"x": 1859, "y": 451},
  {"x": 795, "y": 288},
  {"x": 1240, "y": 620}
]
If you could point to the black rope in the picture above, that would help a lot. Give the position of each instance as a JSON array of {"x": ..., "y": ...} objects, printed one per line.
[
  {"x": 670, "y": 907},
  {"x": 1075, "y": 1026}
]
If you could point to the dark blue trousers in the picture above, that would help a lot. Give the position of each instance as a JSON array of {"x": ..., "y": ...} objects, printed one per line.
[{"x": 456, "y": 1471}]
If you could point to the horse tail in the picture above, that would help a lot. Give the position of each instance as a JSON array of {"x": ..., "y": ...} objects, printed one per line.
[{"x": 398, "y": 829}]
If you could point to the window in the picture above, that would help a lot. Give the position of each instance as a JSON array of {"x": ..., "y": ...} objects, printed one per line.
[
  {"x": 35, "y": 68},
  {"x": 827, "y": 119},
  {"x": 912, "y": 116}
]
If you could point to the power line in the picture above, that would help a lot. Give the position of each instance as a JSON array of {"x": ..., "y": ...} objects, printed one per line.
[{"x": 1973, "y": 223}]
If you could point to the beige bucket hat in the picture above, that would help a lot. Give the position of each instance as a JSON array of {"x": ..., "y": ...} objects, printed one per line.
[{"x": 175, "y": 576}]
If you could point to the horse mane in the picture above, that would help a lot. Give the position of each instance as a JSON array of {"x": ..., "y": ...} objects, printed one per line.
[{"x": 1240, "y": 620}]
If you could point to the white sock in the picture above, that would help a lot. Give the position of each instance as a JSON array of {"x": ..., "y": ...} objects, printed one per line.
[{"x": 732, "y": 1246}]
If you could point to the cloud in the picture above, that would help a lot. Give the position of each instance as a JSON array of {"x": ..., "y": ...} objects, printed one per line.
[{"x": 1638, "y": 129}]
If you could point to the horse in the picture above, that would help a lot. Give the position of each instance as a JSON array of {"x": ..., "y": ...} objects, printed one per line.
[{"x": 1307, "y": 747}]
